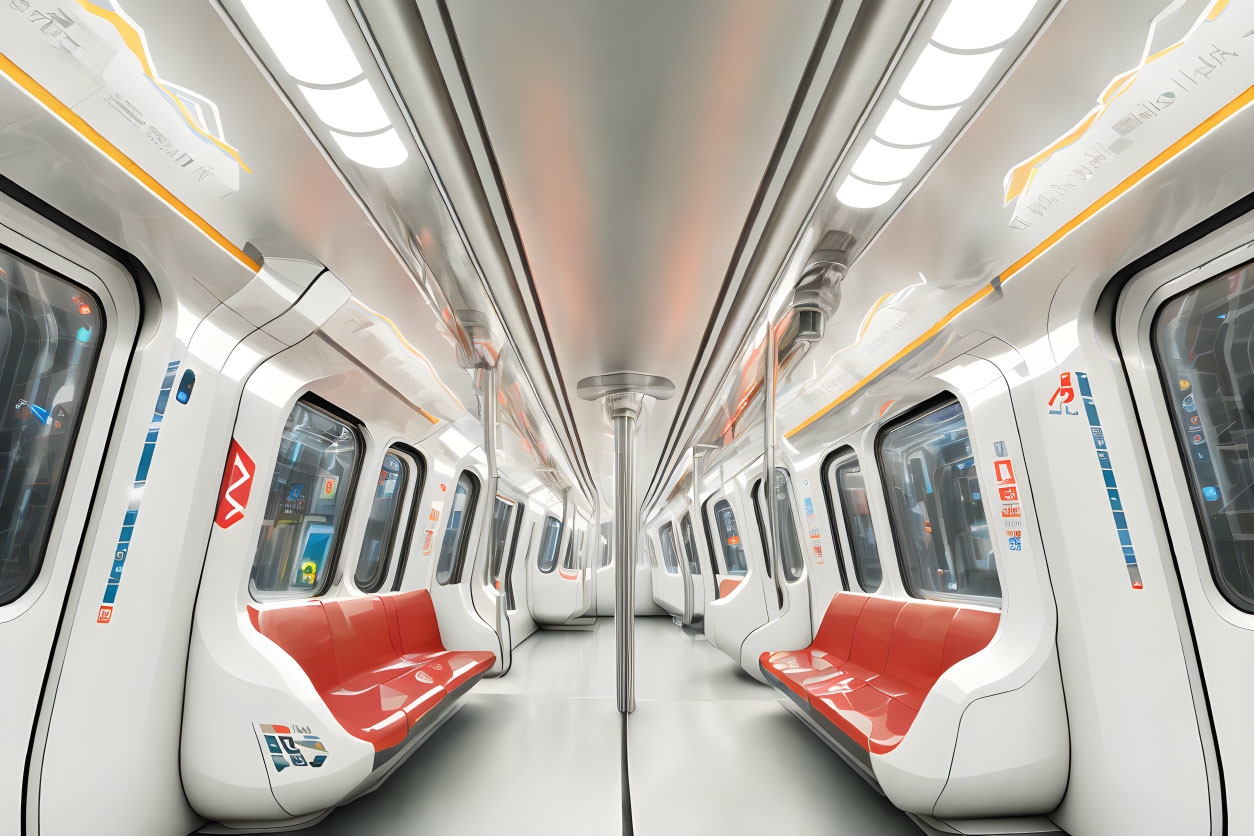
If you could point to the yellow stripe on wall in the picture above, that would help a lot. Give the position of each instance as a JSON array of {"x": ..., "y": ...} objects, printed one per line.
[
  {"x": 77, "y": 123},
  {"x": 1173, "y": 150}
]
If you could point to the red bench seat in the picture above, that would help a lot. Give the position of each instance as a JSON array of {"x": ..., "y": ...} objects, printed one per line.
[
  {"x": 378, "y": 662},
  {"x": 873, "y": 662}
]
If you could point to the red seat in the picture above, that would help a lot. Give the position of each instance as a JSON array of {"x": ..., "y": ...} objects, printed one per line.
[
  {"x": 874, "y": 660},
  {"x": 377, "y": 662},
  {"x": 417, "y": 638}
]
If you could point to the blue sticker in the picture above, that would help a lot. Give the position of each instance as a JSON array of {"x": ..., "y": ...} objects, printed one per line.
[
  {"x": 1211, "y": 493},
  {"x": 1108, "y": 476},
  {"x": 105, "y": 613}
]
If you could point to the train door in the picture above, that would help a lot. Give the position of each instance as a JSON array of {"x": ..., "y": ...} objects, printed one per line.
[
  {"x": 556, "y": 589},
  {"x": 740, "y": 604},
  {"x": 68, "y": 320},
  {"x": 486, "y": 584},
  {"x": 787, "y": 580},
  {"x": 696, "y": 579},
  {"x": 603, "y": 586},
  {"x": 1186, "y": 331},
  {"x": 668, "y": 583}
]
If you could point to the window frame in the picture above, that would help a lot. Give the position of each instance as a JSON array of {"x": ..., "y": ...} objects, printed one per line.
[
  {"x": 723, "y": 546},
  {"x": 706, "y": 513},
  {"x": 457, "y": 570},
  {"x": 111, "y": 318},
  {"x": 664, "y": 531},
  {"x": 691, "y": 551},
  {"x": 402, "y": 533},
  {"x": 937, "y": 402},
  {"x": 506, "y": 546},
  {"x": 838, "y": 519},
  {"x": 557, "y": 547},
  {"x": 755, "y": 499},
  {"x": 520, "y": 511},
  {"x": 339, "y": 532},
  {"x": 1189, "y": 485}
]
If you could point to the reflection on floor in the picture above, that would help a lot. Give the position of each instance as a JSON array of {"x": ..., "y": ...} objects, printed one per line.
[{"x": 711, "y": 751}]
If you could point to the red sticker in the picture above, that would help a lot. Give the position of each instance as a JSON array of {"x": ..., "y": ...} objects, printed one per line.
[
  {"x": 104, "y": 614},
  {"x": 1004, "y": 472},
  {"x": 1009, "y": 494},
  {"x": 237, "y": 483}
]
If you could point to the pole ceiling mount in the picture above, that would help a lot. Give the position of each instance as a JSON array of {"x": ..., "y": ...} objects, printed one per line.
[{"x": 624, "y": 383}]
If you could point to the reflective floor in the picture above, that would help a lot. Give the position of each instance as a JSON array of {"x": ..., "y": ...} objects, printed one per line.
[{"x": 710, "y": 751}]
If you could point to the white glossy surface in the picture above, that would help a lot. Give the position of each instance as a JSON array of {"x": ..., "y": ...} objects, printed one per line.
[{"x": 711, "y": 750}]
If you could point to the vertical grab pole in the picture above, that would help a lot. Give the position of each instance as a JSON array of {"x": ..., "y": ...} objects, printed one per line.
[
  {"x": 489, "y": 383},
  {"x": 624, "y": 419},
  {"x": 623, "y": 394},
  {"x": 770, "y": 483}
]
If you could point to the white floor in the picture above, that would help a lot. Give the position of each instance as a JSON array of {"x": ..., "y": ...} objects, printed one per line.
[{"x": 537, "y": 752}]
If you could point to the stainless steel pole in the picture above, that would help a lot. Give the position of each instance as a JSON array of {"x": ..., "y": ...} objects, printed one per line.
[
  {"x": 625, "y": 554},
  {"x": 769, "y": 485}
]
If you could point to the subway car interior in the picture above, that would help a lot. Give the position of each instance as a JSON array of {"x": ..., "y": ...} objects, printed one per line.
[{"x": 633, "y": 417}]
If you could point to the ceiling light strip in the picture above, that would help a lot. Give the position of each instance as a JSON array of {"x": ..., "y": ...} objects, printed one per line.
[
  {"x": 79, "y": 125},
  {"x": 1175, "y": 149}
]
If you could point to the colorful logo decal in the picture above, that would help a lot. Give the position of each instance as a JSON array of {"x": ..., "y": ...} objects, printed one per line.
[
  {"x": 105, "y": 614},
  {"x": 292, "y": 746},
  {"x": 237, "y": 483},
  {"x": 1063, "y": 395},
  {"x": 329, "y": 485}
]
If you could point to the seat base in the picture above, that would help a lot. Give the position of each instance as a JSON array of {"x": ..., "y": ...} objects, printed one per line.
[{"x": 839, "y": 742}]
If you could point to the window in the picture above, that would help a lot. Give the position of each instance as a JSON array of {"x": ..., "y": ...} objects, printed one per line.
[
  {"x": 549, "y": 542},
  {"x": 729, "y": 539},
  {"x": 574, "y": 551},
  {"x": 856, "y": 513},
  {"x": 307, "y": 505},
  {"x": 690, "y": 545},
  {"x": 510, "y": 602},
  {"x": 934, "y": 502},
  {"x": 607, "y": 552},
  {"x": 448, "y": 568},
  {"x": 762, "y": 535},
  {"x": 502, "y": 510},
  {"x": 670, "y": 559},
  {"x": 1203, "y": 340},
  {"x": 383, "y": 524},
  {"x": 709, "y": 542},
  {"x": 50, "y": 337}
]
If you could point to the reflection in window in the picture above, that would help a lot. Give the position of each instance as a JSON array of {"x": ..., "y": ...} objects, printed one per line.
[
  {"x": 670, "y": 560},
  {"x": 448, "y": 568},
  {"x": 690, "y": 545},
  {"x": 549, "y": 541},
  {"x": 574, "y": 551},
  {"x": 607, "y": 552},
  {"x": 1205, "y": 344},
  {"x": 519, "y": 514},
  {"x": 856, "y": 513},
  {"x": 729, "y": 539},
  {"x": 502, "y": 510},
  {"x": 794, "y": 560},
  {"x": 50, "y": 334},
  {"x": 934, "y": 502},
  {"x": 383, "y": 524},
  {"x": 307, "y": 505}
]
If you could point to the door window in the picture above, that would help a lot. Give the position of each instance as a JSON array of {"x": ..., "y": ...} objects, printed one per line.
[
  {"x": 384, "y": 523},
  {"x": 729, "y": 539},
  {"x": 670, "y": 560},
  {"x": 502, "y": 510},
  {"x": 856, "y": 513},
  {"x": 1204, "y": 340},
  {"x": 549, "y": 542},
  {"x": 457, "y": 530},
  {"x": 50, "y": 336},
  {"x": 690, "y": 545}
]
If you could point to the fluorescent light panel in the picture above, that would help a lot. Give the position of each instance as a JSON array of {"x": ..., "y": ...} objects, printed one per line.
[
  {"x": 354, "y": 108},
  {"x": 882, "y": 163},
  {"x": 940, "y": 78},
  {"x": 980, "y": 24},
  {"x": 381, "y": 150},
  {"x": 905, "y": 124},
  {"x": 859, "y": 194},
  {"x": 306, "y": 39}
]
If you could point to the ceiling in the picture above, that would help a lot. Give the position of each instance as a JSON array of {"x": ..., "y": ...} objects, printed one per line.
[{"x": 631, "y": 139}]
